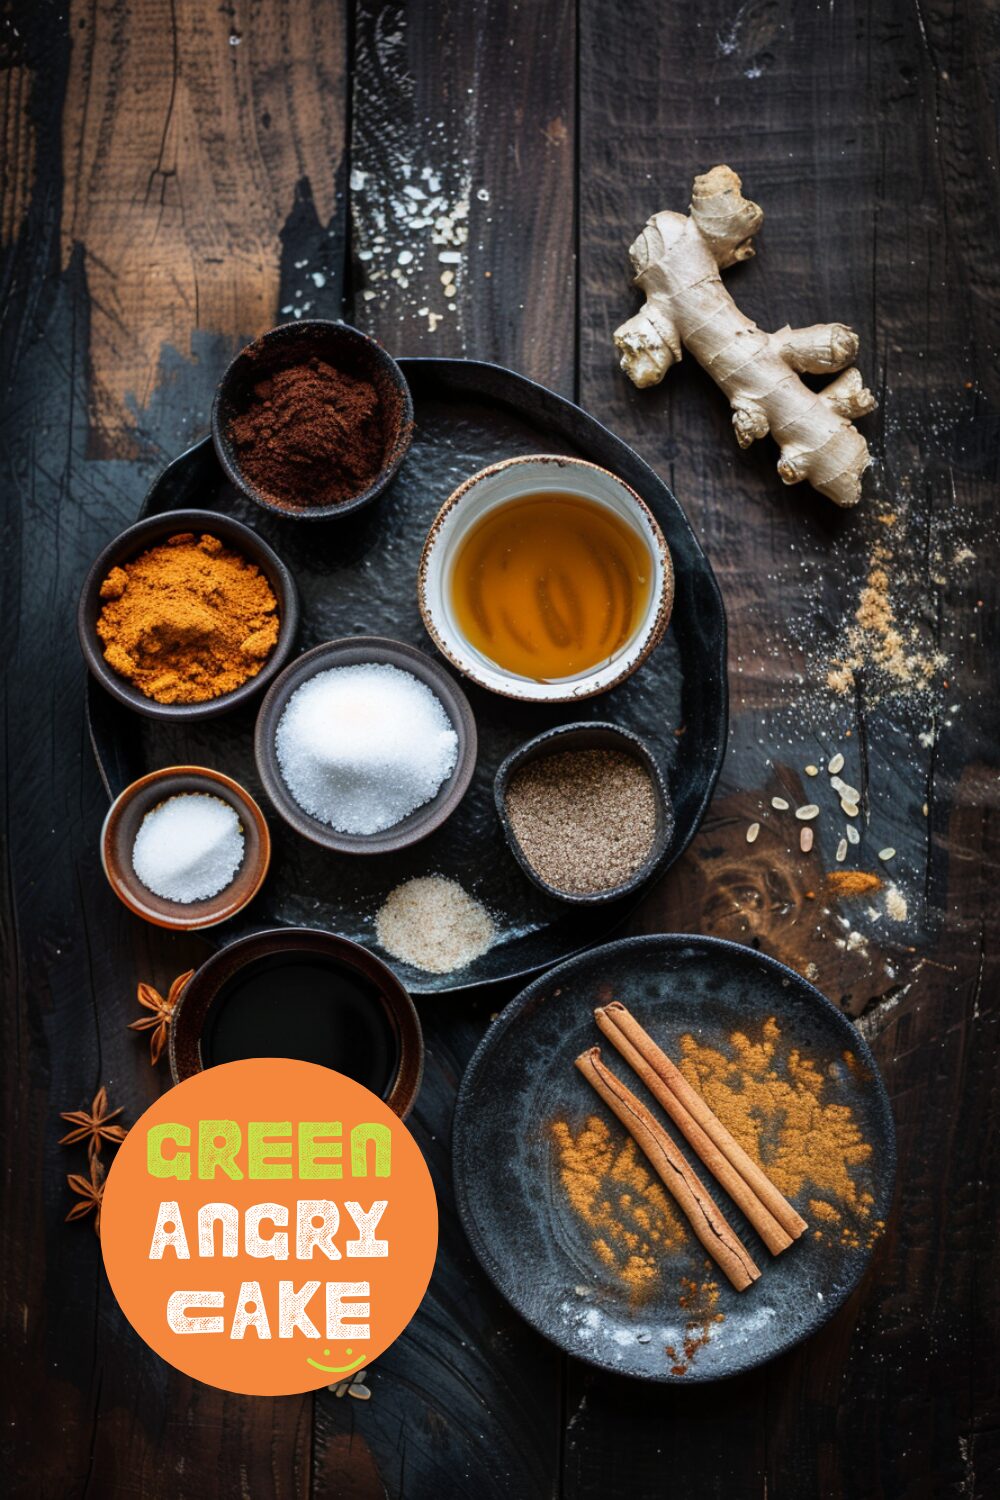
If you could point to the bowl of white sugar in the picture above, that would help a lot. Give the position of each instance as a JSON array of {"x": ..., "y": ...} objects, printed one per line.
[
  {"x": 185, "y": 847},
  {"x": 365, "y": 745}
]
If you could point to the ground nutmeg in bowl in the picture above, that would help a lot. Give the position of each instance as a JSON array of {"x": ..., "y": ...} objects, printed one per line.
[
  {"x": 312, "y": 435},
  {"x": 585, "y": 820},
  {"x": 187, "y": 620}
]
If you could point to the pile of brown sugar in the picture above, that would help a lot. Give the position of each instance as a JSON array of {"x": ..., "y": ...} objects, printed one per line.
[
  {"x": 585, "y": 819},
  {"x": 188, "y": 620},
  {"x": 312, "y": 435}
]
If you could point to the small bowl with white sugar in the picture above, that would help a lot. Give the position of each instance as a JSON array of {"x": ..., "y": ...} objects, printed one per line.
[
  {"x": 185, "y": 847},
  {"x": 365, "y": 745}
]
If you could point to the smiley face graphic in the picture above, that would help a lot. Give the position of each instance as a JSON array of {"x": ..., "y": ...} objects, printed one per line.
[{"x": 336, "y": 1369}]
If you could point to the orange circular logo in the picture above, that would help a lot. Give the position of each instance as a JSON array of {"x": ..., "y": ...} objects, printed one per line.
[{"x": 269, "y": 1226}]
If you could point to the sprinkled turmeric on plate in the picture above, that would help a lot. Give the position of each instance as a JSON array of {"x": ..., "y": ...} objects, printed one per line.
[
  {"x": 775, "y": 1102},
  {"x": 632, "y": 1219}
]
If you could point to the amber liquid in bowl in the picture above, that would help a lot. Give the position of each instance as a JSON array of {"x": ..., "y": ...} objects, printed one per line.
[{"x": 551, "y": 585}]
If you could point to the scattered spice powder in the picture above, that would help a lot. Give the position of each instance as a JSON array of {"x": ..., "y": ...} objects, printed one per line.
[
  {"x": 699, "y": 1299},
  {"x": 877, "y": 643},
  {"x": 772, "y": 1100},
  {"x": 434, "y": 924},
  {"x": 585, "y": 819},
  {"x": 187, "y": 620},
  {"x": 852, "y": 882},
  {"x": 312, "y": 435},
  {"x": 630, "y": 1214}
]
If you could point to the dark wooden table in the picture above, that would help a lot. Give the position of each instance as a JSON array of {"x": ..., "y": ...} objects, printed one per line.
[{"x": 179, "y": 174}]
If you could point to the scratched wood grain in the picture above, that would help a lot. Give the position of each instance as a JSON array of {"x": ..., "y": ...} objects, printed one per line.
[
  {"x": 146, "y": 203},
  {"x": 471, "y": 106},
  {"x": 857, "y": 128},
  {"x": 174, "y": 177}
]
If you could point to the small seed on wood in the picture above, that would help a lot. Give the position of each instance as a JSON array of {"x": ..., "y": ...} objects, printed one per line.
[
  {"x": 752, "y": 832},
  {"x": 841, "y": 851},
  {"x": 805, "y": 840},
  {"x": 849, "y": 793},
  {"x": 836, "y": 764},
  {"x": 849, "y": 808},
  {"x": 886, "y": 854},
  {"x": 808, "y": 812},
  {"x": 853, "y": 836},
  {"x": 780, "y": 804},
  {"x": 838, "y": 785},
  {"x": 812, "y": 770}
]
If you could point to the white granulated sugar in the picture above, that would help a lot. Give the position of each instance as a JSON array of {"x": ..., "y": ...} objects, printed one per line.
[
  {"x": 188, "y": 848},
  {"x": 362, "y": 747}
]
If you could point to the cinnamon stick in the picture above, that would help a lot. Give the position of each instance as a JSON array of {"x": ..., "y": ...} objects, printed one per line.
[
  {"x": 767, "y": 1226},
  {"x": 704, "y": 1130},
  {"x": 670, "y": 1166}
]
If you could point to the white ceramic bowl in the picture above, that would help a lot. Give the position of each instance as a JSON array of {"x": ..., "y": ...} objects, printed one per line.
[{"x": 496, "y": 486}]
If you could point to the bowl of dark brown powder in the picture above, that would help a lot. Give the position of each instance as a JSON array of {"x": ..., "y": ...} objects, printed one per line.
[
  {"x": 312, "y": 420},
  {"x": 585, "y": 811}
]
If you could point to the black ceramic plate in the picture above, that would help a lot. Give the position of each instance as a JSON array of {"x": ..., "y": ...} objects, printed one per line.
[
  {"x": 515, "y": 1208},
  {"x": 357, "y": 576}
]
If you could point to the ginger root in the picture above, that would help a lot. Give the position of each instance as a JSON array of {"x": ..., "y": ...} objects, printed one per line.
[{"x": 677, "y": 260}]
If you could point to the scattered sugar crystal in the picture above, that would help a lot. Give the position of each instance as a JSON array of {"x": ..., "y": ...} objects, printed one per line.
[
  {"x": 362, "y": 747},
  {"x": 188, "y": 848}
]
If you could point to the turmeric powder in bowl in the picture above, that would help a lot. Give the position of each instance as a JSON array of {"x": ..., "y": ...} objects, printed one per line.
[{"x": 187, "y": 620}]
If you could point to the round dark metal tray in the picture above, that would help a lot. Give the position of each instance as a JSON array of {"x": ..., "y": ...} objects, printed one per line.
[
  {"x": 521, "y": 1088},
  {"x": 357, "y": 576}
]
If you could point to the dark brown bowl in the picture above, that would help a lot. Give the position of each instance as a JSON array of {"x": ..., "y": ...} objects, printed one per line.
[
  {"x": 148, "y": 533},
  {"x": 123, "y": 822},
  {"x": 587, "y": 737},
  {"x": 354, "y": 651},
  {"x": 345, "y": 348},
  {"x": 196, "y": 1001}
]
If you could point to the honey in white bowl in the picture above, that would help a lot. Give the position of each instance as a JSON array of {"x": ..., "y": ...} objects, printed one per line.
[{"x": 551, "y": 585}]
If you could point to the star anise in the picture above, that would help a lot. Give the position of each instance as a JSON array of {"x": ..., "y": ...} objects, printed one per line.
[
  {"x": 95, "y": 1126},
  {"x": 91, "y": 1193},
  {"x": 163, "y": 1013}
]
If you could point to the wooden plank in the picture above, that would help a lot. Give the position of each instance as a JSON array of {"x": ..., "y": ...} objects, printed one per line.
[
  {"x": 473, "y": 104},
  {"x": 859, "y": 132},
  {"x": 150, "y": 223},
  {"x": 462, "y": 167}
]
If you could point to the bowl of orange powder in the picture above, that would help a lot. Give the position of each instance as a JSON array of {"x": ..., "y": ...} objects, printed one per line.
[{"x": 187, "y": 614}]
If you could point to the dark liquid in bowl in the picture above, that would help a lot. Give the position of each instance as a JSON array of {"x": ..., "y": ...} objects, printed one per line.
[{"x": 305, "y": 1008}]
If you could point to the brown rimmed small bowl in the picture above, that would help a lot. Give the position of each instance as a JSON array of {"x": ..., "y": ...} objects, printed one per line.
[
  {"x": 223, "y": 967},
  {"x": 149, "y": 533},
  {"x": 591, "y": 736},
  {"x": 366, "y": 650},
  {"x": 506, "y": 483},
  {"x": 348, "y": 350},
  {"x": 125, "y": 818}
]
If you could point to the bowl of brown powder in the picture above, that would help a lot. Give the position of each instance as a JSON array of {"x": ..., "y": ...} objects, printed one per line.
[
  {"x": 585, "y": 811},
  {"x": 312, "y": 420},
  {"x": 187, "y": 614}
]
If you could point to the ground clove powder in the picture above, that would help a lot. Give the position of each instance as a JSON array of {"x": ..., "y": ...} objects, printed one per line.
[{"x": 312, "y": 435}]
